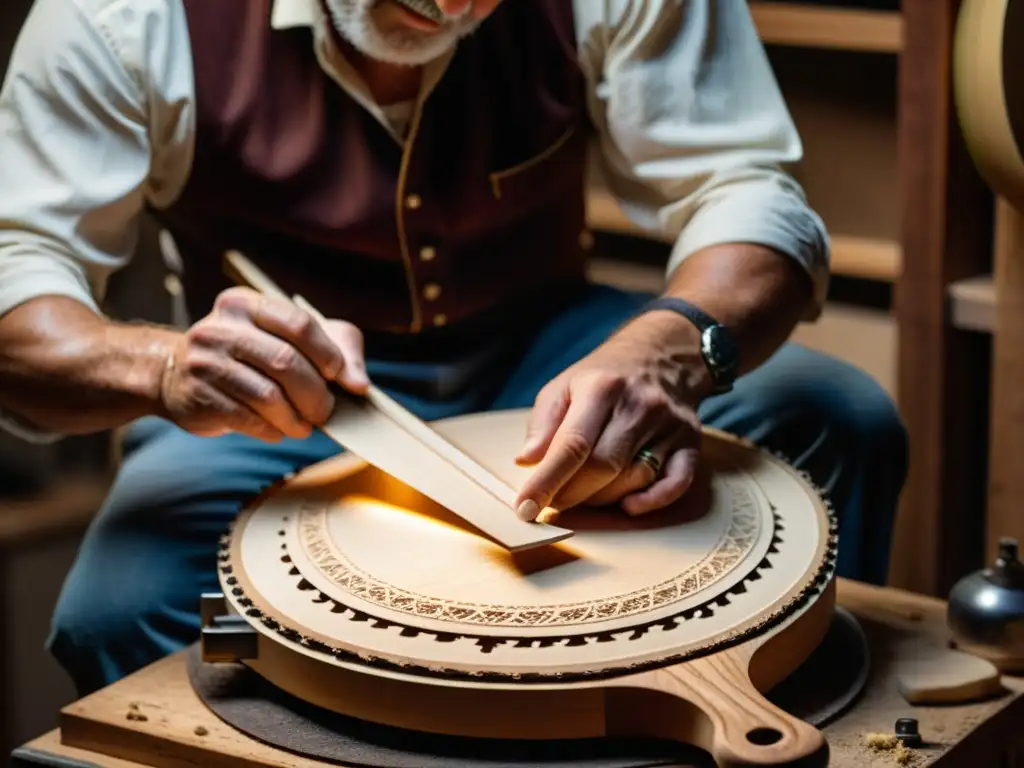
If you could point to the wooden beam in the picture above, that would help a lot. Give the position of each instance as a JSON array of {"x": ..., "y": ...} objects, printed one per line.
[
  {"x": 861, "y": 257},
  {"x": 809, "y": 26},
  {"x": 946, "y": 231},
  {"x": 1006, "y": 444}
]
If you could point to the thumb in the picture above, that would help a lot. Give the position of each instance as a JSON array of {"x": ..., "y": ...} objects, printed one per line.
[
  {"x": 548, "y": 411},
  {"x": 349, "y": 339}
]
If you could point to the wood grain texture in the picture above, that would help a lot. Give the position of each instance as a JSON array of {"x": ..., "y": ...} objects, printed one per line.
[
  {"x": 1006, "y": 447},
  {"x": 958, "y": 736},
  {"x": 685, "y": 616},
  {"x": 990, "y": 106},
  {"x": 851, "y": 29},
  {"x": 942, "y": 371},
  {"x": 931, "y": 673}
]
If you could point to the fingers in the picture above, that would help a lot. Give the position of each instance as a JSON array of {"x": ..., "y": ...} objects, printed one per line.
[
  {"x": 211, "y": 413},
  {"x": 641, "y": 417},
  {"x": 279, "y": 366},
  {"x": 349, "y": 340},
  {"x": 296, "y": 327},
  {"x": 247, "y": 388},
  {"x": 545, "y": 418},
  {"x": 590, "y": 406},
  {"x": 637, "y": 474},
  {"x": 675, "y": 480}
]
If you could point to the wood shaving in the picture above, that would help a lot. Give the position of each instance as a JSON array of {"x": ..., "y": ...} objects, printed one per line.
[
  {"x": 886, "y": 742},
  {"x": 135, "y": 714}
]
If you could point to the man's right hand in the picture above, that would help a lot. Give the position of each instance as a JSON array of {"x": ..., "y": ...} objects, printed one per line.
[{"x": 261, "y": 367}]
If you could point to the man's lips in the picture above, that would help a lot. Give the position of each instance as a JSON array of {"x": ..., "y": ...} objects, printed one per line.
[{"x": 422, "y": 11}]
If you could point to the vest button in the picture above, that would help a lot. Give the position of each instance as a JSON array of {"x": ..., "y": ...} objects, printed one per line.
[
  {"x": 440, "y": 320},
  {"x": 431, "y": 291},
  {"x": 413, "y": 202},
  {"x": 427, "y": 253}
]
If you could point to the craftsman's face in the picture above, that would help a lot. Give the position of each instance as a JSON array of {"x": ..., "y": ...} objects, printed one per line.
[{"x": 407, "y": 32}]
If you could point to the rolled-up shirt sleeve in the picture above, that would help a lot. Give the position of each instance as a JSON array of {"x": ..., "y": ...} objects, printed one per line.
[
  {"x": 94, "y": 120},
  {"x": 85, "y": 91},
  {"x": 693, "y": 130}
]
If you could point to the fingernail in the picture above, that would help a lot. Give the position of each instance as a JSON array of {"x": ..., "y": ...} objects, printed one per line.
[{"x": 528, "y": 510}]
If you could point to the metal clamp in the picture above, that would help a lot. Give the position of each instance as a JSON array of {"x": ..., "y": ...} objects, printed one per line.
[{"x": 225, "y": 636}]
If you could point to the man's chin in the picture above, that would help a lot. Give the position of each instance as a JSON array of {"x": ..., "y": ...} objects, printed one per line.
[{"x": 381, "y": 30}]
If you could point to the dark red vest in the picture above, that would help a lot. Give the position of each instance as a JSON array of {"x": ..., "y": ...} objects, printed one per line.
[{"x": 485, "y": 213}]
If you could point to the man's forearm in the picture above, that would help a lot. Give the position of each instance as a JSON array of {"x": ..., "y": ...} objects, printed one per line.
[
  {"x": 758, "y": 293},
  {"x": 64, "y": 369}
]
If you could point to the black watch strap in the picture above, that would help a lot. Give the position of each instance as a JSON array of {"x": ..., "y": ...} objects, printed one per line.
[
  {"x": 694, "y": 314},
  {"x": 717, "y": 347}
]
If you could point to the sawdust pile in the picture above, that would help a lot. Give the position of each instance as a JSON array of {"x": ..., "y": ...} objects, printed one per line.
[{"x": 886, "y": 742}]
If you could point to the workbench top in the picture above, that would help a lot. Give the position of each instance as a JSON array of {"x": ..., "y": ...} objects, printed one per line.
[{"x": 178, "y": 730}]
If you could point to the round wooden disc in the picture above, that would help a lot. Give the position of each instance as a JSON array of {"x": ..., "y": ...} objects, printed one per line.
[{"x": 361, "y": 569}]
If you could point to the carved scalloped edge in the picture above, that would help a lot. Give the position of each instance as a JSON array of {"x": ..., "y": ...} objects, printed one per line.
[{"x": 813, "y": 587}]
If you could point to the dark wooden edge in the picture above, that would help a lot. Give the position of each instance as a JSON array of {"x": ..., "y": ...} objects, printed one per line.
[
  {"x": 943, "y": 371},
  {"x": 24, "y": 757}
]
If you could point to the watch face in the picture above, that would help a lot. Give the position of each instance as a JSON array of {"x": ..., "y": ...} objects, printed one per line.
[{"x": 719, "y": 351}]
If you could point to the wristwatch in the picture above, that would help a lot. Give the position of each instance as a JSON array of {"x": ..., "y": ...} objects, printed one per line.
[{"x": 717, "y": 346}]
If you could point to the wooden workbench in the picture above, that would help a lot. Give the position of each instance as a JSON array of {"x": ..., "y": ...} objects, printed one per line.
[{"x": 96, "y": 731}]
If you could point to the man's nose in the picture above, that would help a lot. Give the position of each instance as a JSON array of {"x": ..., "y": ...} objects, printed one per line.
[{"x": 453, "y": 7}]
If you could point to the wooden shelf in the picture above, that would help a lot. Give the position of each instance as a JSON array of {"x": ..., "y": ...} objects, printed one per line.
[
  {"x": 67, "y": 507},
  {"x": 859, "y": 257},
  {"x": 973, "y": 304},
  {"x": 849, "y": 29}
]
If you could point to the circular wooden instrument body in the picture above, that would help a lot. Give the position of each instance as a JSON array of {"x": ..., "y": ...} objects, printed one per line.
[
  {"x": 370, "y": 600},
  {"x": 989, "y": 91}
]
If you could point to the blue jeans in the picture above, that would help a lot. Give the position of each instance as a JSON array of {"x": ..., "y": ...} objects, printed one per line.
[{"x": 132, "y": 595}]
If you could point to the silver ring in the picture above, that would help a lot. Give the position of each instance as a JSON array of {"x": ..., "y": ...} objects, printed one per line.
[{"x": 647, "y": 457}]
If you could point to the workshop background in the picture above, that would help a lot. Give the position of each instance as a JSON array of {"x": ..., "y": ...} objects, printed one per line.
[{"x": 912, "y": 303}]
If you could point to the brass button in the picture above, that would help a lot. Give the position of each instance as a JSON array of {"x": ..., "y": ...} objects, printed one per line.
[
  {"x": 173, "y": 285},
  {"x": 427, "y": 253},
  {"x": 586, "y": 239},
  {"x": 440, "y": 319},
  {"x": 412, "y": 202},
  {"x": 431, "y": 291}
]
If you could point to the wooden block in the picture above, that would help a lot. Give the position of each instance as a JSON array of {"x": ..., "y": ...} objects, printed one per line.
[{"x": 932, "y": 674}]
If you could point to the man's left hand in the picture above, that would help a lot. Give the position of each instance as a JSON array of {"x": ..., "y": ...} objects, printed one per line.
[{"x": 637, "y": 393}]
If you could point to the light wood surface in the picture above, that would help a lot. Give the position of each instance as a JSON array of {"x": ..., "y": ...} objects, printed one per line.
[
  {"x": 385, "y": 434},
  {"x": 945, "y": 220},
  {"x": 931, "y": 673},
  {"x": 815, "y": 26},
  {"x": 745, "y": 556},
  {"x": 1006, "y": 442},
  {"x": 96, "y": 728}
]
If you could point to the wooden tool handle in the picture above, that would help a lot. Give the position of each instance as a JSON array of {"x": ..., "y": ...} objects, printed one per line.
[{"x": 718, "y": 709}]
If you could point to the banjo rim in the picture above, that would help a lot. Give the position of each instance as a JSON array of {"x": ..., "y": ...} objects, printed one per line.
[{"x": 273, "y": 626}]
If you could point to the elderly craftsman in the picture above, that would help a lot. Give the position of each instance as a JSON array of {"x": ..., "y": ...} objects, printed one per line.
[{"x": 415, "y": 170}]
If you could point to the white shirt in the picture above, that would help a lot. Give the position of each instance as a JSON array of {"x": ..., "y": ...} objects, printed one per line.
[{"x": 97, "y": 119}]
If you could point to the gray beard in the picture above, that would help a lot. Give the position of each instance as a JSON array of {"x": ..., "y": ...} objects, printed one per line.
[{"x": 406, "y": 48}]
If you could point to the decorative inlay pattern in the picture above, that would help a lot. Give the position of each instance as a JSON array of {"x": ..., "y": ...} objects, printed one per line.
[
  {"x": 264, "y": 615},
  {"x": 733, "y": 545}
]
